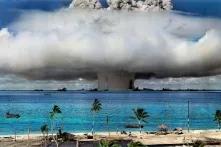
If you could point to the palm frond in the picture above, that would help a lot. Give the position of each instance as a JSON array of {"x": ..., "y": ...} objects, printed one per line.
[
  {"x": 96, "y": 106},
  {"x": 217, "y": 116},
  {"x": 44, "y": 128},
  {"x": 140, "y": 114},
  {"x": 56, "y": 109}
]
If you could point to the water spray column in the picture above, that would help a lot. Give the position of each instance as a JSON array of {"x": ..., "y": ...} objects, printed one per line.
[{"x": 115, "y": 81}]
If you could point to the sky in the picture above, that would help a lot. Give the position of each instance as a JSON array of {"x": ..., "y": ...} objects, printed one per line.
[
  {"x": 208, "y": 8},
  {"x": 11, "y": 10}
]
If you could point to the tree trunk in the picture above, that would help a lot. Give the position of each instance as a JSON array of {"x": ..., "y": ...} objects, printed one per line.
[
  {"x": 93, "y": 125},
  {"x": 28, "y": 135},
  {"x": 52, "y": 132},
  {"x": 219, "y": 125},
  {"x": 56, "y": 141},
  {"x": 77, "y": 143},
  {"x": 108, "y": 129},
  {"x": 140, "y": 126},
  {"x": 46, "y": 143},
  {"x": 15, "y": 135}
]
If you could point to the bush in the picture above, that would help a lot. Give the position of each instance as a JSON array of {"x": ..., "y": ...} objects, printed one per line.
[
  {"x": 136, "y": 144},
  {"x": 198, "y": 143}
]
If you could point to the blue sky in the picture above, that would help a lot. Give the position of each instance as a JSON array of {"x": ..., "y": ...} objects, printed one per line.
[
  {"x": 200, "y": 7},
  {"x": 11, "y": 9}
]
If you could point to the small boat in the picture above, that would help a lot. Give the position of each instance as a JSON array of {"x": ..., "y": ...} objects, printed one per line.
[
  {"x": 133, "y": 126},
  {"x": 11, "y": 115}
]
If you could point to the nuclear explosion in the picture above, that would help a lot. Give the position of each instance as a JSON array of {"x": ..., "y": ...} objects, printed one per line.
[
  {"x": 115, "y": 45},
  {"x": 121, "y": 80}
]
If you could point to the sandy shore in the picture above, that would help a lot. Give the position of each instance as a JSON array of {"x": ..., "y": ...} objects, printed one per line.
[
  {"x": 147, "y": 139},
  {"x": 112, "y": 134}
]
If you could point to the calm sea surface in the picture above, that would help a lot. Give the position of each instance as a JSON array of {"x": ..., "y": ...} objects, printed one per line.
[{"x": 170, "y": 108}]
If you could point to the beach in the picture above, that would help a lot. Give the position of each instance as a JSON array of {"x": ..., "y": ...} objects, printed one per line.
[
  {"x": 110, "y": 73},
  {"x": 213, "y": 137},
  {"x": 118, "y": 108}
]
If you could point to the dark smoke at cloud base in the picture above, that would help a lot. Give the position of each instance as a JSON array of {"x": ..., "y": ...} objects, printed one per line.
[{"x": 69, "y": 44}]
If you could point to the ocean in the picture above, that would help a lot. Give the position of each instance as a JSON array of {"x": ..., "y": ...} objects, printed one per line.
[{"x": 164, "y": 107}]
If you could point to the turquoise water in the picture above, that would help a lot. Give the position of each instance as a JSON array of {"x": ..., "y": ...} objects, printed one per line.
[{"x": 163, "y": 107}]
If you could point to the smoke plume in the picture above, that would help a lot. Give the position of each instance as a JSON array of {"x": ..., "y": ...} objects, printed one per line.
[
  {"x": 68, "y": 44},
  {"x": 129, "y": 5}
]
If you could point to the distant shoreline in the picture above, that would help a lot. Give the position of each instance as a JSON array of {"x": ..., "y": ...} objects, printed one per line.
[{"x": 129, "y": 90}]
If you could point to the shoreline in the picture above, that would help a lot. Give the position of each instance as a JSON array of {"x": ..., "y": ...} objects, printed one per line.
[
  {"x": 207, "y": 136},
  {"x": 105, "y": 133}
]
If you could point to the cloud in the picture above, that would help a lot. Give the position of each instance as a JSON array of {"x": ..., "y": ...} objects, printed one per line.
[
  {"x": 68, "y": 44},
  {"x": 11, "y": 82},
  {"x": 208, "y": 83},
  {"x": 129, "y": 5}
]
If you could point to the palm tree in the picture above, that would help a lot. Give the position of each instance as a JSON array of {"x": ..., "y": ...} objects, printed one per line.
[
  {"x": 106, "y": 143},
  {"x": 44, "y": 130},
  {"x": 53, "y": 114},
  {"x": 217, "y": 118},
  {"x": 96, "y": 107},
  {"x": 135, "y": 144},
  {"x": 140, "y": 115}
]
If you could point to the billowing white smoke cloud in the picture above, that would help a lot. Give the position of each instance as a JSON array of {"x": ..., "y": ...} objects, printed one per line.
[
  {"x": 129, "y": 5},
  {"x": 79, "y": 43}
]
